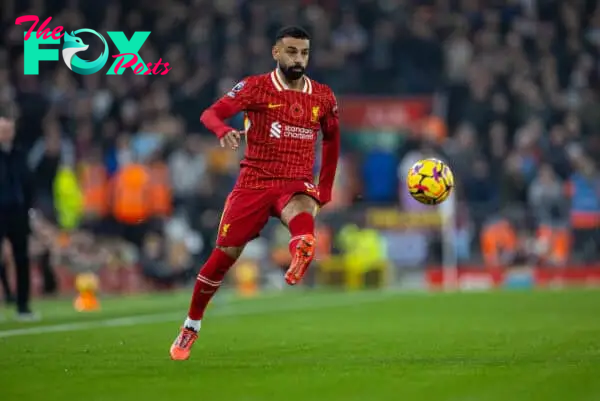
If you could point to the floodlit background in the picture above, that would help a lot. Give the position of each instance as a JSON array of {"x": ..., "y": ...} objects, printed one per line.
[{"x": 507, "y": 92}]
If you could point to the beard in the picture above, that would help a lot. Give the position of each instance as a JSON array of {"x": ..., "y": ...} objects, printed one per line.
[{"x": 293, "y": 72}]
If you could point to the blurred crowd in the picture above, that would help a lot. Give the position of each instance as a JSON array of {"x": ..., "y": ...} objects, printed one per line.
[{"x": 516, "y": 83}]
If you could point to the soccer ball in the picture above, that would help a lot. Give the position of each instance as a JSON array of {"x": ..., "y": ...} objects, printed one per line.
[{"x": 430, "y": 181}]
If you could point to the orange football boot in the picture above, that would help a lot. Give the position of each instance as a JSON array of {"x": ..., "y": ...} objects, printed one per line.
[
  {"x": 305, "y": 252},
  {"x": 182, "y": 347}
]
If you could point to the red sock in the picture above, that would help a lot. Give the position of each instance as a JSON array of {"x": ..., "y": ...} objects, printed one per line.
[
  {"x": 208, "y": 282},
  {"x": 302, "y": 224}
]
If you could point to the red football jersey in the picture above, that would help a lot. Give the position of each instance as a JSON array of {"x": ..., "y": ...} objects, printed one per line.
[{"x": 282, "y": 127}]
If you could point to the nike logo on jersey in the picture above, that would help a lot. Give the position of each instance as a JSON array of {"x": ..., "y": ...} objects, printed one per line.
[{"x": 274, "y": 106}]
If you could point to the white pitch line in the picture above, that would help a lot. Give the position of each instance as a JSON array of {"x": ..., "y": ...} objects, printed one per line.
[{"x": 315, "y": 303}]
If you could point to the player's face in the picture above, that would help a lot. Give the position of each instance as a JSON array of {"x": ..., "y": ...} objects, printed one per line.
[
  {"x": 7, "y": 130},
  {"x": 292, "y": 56}
]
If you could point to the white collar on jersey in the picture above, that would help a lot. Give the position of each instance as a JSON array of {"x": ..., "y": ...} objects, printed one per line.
[{"x": 280, "y": 84}]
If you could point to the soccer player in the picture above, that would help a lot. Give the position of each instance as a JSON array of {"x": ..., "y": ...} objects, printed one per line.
[{"x": 284, "y": 111}]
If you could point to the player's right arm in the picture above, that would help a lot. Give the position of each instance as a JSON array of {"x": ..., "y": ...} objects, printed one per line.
[
  {"x": 238, "y": 99},
  {"x": 330, "y": 126}
]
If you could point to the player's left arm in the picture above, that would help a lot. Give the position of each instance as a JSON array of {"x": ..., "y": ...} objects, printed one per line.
[
  {"x": 240, "y": 98},
  {"x": 330, "y": 126}
]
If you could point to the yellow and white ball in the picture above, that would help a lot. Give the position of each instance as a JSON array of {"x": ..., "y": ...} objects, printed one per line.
[{"x": 430, "y": 181}]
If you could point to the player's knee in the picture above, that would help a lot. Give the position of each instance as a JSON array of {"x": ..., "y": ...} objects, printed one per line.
[
  {"x": 232, "y": 251},
  {"x": 300, "y": 203},
  {"x": 306, "y": 205}
]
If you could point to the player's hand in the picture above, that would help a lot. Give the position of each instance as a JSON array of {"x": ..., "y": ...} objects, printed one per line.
[{"x": 231, "y": 139}]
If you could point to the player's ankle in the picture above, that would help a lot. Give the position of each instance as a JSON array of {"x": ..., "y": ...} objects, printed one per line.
[{"x": 192, "y": 324}]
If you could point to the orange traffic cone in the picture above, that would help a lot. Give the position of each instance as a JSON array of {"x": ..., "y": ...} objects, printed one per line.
[{"x": 87, "y": 286}]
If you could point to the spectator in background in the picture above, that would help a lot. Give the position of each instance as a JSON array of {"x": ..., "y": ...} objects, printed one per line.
[
  {"x": 556, "y": 153},
  {"x": 513, "y": 184},
  {"x": 131, "y": 202},
  {"x": 497, "y": 148},
  {"x": 84, "y": 141},
  {"x": 551, "y": 210},
  {"x": 585, "y": 207},
  {"x": 48, "y": 154},
  {"x": 163, "y": 262},
  {"x": 480, "y": 194},
  {"x": 119, "y": 154},
  {"x": 16, "y": 194},
  {"x": 458, "y": 53},
  {"x": 480, "y": 189},
  {"x": 462, "y": 151},
  {"x": 152, "y": 260},
  {"x": 161, "y": 191},
  {"x": 477, "y": 108},
  {"x": 188, "y": 169},
  {"x": 351, "y": 39},
  {"x": 95, "y": 186}
]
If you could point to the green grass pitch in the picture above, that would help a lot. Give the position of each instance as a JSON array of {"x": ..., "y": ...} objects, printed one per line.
[{"x": 313, "y": 346}]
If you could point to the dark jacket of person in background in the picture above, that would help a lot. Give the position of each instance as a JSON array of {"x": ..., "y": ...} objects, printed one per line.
[{"x": 16, "y": 194}]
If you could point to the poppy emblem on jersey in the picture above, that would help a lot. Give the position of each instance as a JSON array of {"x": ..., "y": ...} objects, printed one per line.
[
  {"x": 315, "y": 114},
  {"x": 296, "y": 110}
]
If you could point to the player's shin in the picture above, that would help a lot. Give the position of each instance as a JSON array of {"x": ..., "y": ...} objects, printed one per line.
[
  {"x": 208, "y": 282},
  {"x": 302, "y": 245},
  {"x": 300, "y": 225}
]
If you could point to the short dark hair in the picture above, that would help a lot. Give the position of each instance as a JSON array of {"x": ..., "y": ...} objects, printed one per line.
[{"x": 292, "y": 32}]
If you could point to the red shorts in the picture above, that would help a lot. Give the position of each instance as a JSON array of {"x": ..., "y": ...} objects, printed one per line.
[{"x": 247, "y": 211}]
